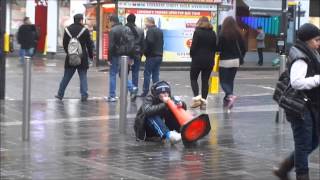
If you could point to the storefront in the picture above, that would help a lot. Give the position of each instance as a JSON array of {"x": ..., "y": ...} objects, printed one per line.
[{"x": 176, "y": 18}]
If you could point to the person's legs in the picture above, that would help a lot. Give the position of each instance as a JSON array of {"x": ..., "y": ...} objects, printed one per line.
[
  {"x": 205, "y": 76},
  {"x": 305, "y": 140},
  {"x": 158, "y": 126},
  {"x": 22, "y": 53},
  {"x": 194, "y": 74},
  {"x": 135, "y": 71},
  {"x": 114, "y": 69},
  {"x": 83, "y": 83},
  {"x": 147, "y": 76},
  {"x": 260, "y": 54},
  {"x": 68, "y": 73},
  {"x": 156, "y": 69},
  {"x": 225, "y": 81}
]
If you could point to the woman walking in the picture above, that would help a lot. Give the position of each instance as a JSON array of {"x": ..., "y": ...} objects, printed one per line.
[
  {"x": 202, "y": 53},
  {"x": 304, "y": 68},
  {"x": 232, "y": 50}
]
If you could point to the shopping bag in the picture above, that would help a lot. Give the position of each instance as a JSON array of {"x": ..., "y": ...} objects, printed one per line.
[
  {"x": 216, "y": 62},
  {"x": 214, "y": 85}
]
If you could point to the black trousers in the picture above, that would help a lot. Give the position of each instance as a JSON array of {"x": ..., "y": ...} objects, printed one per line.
[
  {"x": 260, "y": 54},
  {"x": 205, "y": 75}
]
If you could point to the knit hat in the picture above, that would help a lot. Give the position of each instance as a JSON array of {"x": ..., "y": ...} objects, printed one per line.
[
  {"x": 308, "y": 31},
  {"x": 160, "y": 87}
]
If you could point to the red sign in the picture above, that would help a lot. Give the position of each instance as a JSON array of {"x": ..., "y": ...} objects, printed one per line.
[
  {"x": 168, "y": 12},
  {"x": 105, "y": 46}
]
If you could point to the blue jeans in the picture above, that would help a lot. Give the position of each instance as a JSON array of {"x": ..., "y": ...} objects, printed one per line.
[
  {"x": 152, "y": 67},
  {"x": 158, "y": 126},
  {"x": 25, "y": 52},
  {"x": 113, "y": 71},
  {"x": 68, "y": 73},
  {"x": 306, "y": 138},
  {"x": 227, "y": 76},
  {"x": 135, "y": 71}
]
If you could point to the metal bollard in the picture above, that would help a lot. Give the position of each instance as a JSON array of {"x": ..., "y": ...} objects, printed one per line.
[
  {"x": 283, "y": 61},
  {"x": 123, "y": 94},
  {"x": 26, "y": 98}
]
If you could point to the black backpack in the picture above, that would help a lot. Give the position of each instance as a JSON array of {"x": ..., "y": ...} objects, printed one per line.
[{"x": 126, "y": 42}]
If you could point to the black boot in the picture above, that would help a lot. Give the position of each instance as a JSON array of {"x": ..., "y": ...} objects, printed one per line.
[
  {"x": 285, "y": 167},
  {"x": 302, "y": 177}
]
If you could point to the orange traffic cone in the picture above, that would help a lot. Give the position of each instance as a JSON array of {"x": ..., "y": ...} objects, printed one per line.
[{"x": 192, "y": 128}]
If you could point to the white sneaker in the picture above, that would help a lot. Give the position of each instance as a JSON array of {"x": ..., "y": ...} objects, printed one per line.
[{"x": 174, "y": 137}]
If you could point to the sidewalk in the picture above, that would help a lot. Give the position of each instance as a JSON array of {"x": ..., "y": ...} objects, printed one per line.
[{"x": 74, "y": 140}]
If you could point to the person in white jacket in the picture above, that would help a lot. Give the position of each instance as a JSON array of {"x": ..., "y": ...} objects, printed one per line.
[{"x": 304, "y": 68}]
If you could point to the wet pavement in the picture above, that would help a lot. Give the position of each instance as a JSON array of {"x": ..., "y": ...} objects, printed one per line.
[{"x": 71, "y": 139}]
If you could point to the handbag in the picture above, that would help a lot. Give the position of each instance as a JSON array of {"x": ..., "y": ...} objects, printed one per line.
[
  {"x": 290, "y": 99},
  {"x": 240, "y": 53}
]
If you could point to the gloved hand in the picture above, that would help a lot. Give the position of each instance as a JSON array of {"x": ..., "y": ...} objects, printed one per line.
[{"x": 177, "y": 101}]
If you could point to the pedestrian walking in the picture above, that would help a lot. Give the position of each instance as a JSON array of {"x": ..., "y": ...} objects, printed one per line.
[
  {"x": 202, "y": 52},
  {"x": 138, "y": 49},
  {"x": 78, "y": 46},
  {"x": 27, "y": 38},
  {"x": 153, "y": 46},
  {"x": 121, "y": 43},
  {"x": 304, "y": 68},
  {"x": 232, "y": 51},
  {"x": 154, "y": 120},
  {"x": 260, "y": 44}
]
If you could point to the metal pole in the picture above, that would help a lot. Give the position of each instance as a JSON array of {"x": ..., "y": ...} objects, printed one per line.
[
  {"x": 123, "y": 94},
  {"x": 3, "y": 8},
  {"x": 283, "y": 60},
  {"x": 299, "y": 12},
  {"x": 284, "y": 20},
  {"x": 98, "y": 33},
  {"x": 26, "y": 98}
]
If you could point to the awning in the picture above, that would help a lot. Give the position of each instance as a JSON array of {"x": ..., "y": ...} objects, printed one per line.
[{"x": 264, "y": 7}]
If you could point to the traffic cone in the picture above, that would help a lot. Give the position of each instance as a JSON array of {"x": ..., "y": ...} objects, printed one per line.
[{"x": 192, "y": 128}]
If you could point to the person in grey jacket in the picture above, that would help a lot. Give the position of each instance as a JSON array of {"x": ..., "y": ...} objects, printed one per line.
[
  {"x": 304, "y": 61},
  {"x": 260, "y": 44}
]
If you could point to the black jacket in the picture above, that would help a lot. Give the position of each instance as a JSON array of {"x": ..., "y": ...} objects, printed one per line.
[
  {"x": 86, "y": 44},
  {"x": 203, "y": 48},
  {"x": 27, "y": 36},
  {"x": 152, "y": 106},
  {"x": 154, "y": 42},
  {"x": 301, "y": 51},
  {"x": 228, "y": 48}
]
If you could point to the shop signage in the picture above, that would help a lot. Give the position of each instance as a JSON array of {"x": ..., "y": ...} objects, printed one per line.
[{"x": 168, "y": 6}]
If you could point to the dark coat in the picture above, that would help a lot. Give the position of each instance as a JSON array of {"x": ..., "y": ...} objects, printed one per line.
[
  {"x": 27, "y": 36},
  {"x": 203, "y": 48},
  {"x": 229, "y": 49},
  {"x": 86, "y": 44},
  {"x": 152, "y": 106},
  {"x": 154, "y": 42}
]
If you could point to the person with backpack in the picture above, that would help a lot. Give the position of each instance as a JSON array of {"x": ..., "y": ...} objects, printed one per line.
[
  {"x": 153, "y": 50},
  {"x": 304, "y": 74},
  {"x": 27, "y": 37},
  {"x": 138, "y": 48},
  {"x": 121, "y": 43},
  {"x": 78, "y": 46}
]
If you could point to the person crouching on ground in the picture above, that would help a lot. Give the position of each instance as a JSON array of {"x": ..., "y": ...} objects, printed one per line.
[{"x": 154, "y": 118}]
